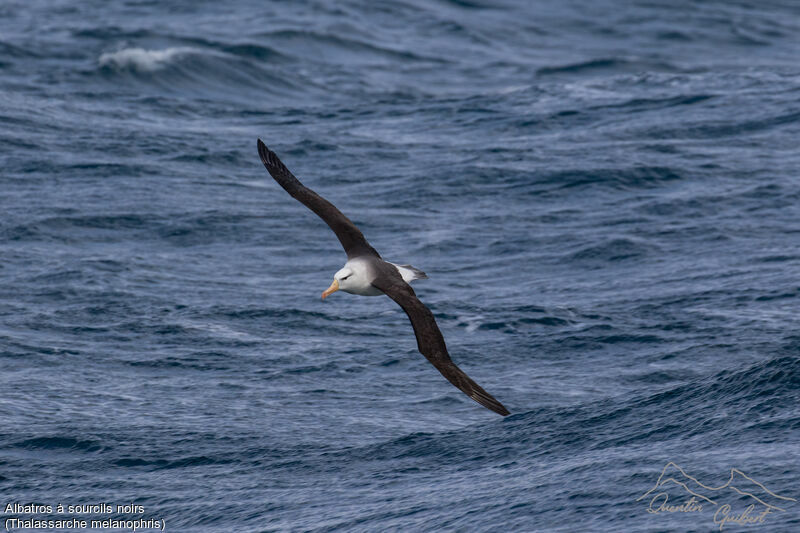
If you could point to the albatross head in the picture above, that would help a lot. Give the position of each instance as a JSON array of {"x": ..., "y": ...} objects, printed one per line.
[
  {"x": 342, "y": 281},
  {"x": 355, "y": 277}
]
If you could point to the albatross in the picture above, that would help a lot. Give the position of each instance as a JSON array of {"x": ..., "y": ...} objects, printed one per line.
[{"x": 367, "y": 274}]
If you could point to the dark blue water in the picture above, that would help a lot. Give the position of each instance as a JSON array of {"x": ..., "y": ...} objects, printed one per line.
[{"x": 605, "y": 195}]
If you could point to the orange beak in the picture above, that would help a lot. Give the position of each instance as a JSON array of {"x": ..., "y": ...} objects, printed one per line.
[{"x": 330, "y": 290}]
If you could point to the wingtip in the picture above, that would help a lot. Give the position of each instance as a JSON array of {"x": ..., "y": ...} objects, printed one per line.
[
  {"x": 263, "y": 152},
  {"x": 489, "y": 401},
  {"x": 497, "y": 407}
]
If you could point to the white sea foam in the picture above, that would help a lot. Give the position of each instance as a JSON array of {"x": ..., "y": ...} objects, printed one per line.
[{"x": 142, "y": 60}]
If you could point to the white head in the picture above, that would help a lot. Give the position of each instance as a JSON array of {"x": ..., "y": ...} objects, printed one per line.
[
  {"x": 344, "y": 280},
  {"x": 354, "y": 277}
]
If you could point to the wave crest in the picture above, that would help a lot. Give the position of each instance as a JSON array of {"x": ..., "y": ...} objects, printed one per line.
[{"x": 142, "y": 60}]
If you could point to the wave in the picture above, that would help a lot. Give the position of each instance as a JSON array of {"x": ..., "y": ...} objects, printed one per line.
[
  {"x": 723, "y": 408},
  {"x": 165, "y": 464},
  {"x": 148, "y": 60},
  {"x": 62, "y": 443},
  {"x": 342, "y": 49},
  {"x": 8, "y": 50},
  {"x": 728, "y": 127},
  {"x": 182, "y": 229},
  {"x": 245, "y": 71},
  {"x": 141, "y": 60},
  {"x": 621, "y": 178},
  {"x": 612, "y": 250},
  {"x": 606, "y": 64}
]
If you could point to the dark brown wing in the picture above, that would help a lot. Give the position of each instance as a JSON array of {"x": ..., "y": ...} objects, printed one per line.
[
  {"x": 430, "y": 341},
  {"x": 349, "y": 235}
]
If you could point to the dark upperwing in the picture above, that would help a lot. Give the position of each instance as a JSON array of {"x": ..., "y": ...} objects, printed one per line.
[
  {"x": 429, "y": 339},
  {"x": 349, "y": 235}
]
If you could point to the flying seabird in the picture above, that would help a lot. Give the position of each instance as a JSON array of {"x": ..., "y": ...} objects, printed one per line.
[{"x": 365, "y": 273}]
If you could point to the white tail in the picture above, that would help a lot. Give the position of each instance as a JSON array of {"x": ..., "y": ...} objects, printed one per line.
[{"x": 410, "y": 273}]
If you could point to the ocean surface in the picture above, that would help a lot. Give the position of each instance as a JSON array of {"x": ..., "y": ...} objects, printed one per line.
[{"x": 605, "y": 196}]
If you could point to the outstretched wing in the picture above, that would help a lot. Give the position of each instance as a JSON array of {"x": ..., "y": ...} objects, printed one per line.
[
  {"x": 349, "y": 235},
  {"x": 430, "y": 341}
]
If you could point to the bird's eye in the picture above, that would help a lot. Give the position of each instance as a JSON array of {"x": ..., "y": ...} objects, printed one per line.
[{"x": 347, "y": 276}]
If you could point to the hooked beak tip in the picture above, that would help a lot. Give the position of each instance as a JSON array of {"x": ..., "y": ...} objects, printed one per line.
[{"x": 330, "y": 290}]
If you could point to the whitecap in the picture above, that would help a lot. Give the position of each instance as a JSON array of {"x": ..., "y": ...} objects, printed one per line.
[{"x": 142, "y": 60}]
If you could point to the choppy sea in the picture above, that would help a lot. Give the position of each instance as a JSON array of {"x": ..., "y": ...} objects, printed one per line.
[{"x": 605, "y": 196}]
